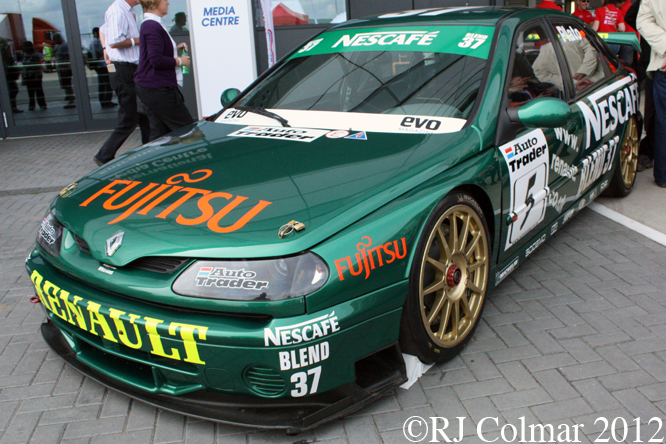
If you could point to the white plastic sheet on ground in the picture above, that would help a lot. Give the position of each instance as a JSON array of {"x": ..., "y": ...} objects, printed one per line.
[{"x": 415, "y": 369}]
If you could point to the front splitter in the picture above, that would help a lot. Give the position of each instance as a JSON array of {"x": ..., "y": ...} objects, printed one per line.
[{"x": 293, "y": 415}]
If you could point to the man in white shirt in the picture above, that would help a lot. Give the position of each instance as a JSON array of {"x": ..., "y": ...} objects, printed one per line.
[{"x": 120, "y": 39}]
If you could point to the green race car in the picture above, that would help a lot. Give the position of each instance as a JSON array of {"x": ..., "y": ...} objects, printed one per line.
[{"x": 272, "y": 265}]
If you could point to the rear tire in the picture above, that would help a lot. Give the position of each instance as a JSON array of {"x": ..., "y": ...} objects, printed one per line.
[
  {"x": 448, "y": 281},
  {"x": 624, "y": 175}
]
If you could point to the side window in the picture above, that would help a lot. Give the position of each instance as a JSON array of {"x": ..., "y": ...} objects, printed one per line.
[
  {"x": 585, "y": 63},
  {"x": 536, "y": 71}
]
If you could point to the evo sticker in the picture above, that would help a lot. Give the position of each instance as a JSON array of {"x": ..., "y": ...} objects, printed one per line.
[
  {"x": 276, "y": 132},
  {"x": 527, "y": 161},
  {"x": 464, "y": 40},
  {"x": 358, "y": 136},
  {"x": 354, "y": 123}
]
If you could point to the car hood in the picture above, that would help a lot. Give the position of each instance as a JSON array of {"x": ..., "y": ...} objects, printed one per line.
[{"x": 207, "y": 191}]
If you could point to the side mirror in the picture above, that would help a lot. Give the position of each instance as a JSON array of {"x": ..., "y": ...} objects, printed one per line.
[
  {"x": 228, "y": 96},
  {"x": 545, "y": 112}
]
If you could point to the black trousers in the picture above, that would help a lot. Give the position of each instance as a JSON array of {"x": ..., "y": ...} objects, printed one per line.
[
  {"x": 166, "y": 109},
  {"x": 122, "y": 82},
  {"x": 35, "y": 91},
  {"x": 13, "y": 92}
]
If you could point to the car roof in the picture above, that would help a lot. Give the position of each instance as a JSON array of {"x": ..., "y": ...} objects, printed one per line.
[{"x": 468, "y": 16}]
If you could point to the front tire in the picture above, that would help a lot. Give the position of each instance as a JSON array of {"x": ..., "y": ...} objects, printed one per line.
[{"x": 448, "y": 281}]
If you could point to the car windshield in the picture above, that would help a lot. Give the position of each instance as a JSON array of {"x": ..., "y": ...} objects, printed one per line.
[{"x": 386, "y": 72}]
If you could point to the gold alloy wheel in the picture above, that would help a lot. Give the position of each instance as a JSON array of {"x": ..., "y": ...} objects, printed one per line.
[
  {"x": 454, "y": 276},
  {"x": 629, "y": 154}
]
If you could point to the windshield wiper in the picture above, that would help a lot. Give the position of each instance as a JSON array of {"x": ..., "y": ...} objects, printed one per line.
[{"x": 264, "y": 112}]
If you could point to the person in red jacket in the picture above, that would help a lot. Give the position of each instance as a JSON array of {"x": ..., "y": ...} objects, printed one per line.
[
  {"x": 608, "y": 18},
  {"x": 549, "y": 4},
  {"x": 582, "y": 13}
]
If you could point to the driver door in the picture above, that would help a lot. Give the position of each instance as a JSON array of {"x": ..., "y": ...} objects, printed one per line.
[{"x": 534, "y": 197}]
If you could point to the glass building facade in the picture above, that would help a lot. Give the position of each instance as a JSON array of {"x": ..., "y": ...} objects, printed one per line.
[{"x": 53, "y": 79}]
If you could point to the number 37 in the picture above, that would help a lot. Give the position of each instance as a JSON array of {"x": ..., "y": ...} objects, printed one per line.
[
  {"x": 467, "y": 42},
  {"x": 300, "y": 381}
]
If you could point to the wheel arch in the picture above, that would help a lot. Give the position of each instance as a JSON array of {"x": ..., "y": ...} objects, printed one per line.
[{"x": 484, "y": 202}]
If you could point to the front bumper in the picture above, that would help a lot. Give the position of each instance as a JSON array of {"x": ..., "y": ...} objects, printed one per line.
[{"x": 292, "y": 373}]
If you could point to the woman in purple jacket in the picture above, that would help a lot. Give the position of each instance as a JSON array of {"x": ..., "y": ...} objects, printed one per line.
[{"x": 159, "y": 73}]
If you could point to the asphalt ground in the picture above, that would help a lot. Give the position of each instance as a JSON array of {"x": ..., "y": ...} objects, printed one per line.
[{"x": 575, "y": 338}]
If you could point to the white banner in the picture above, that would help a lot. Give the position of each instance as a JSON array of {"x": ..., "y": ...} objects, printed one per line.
[
  {"x": 267, "y": 11},
  {"x": 223, "y": 52}
]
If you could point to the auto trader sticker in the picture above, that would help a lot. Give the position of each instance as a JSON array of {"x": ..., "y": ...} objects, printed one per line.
[
  {"x": 527, "y": 160},
  {"x": 274, "y": 132},
  {"x": 221, "y": 277},
  {"x": 47, "y": 232}
]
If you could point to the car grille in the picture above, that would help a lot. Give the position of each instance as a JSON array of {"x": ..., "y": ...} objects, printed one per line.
[
  {"x": 156, "y": 264},
  {"x": 264, "y": 380},
  {"x": 83, "y": 245}
]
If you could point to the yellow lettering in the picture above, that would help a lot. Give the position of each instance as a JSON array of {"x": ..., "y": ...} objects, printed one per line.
[
  {"x": 97, "y": 318},
  {"x": 187, "y": 333},
  {"x": 73, "y": 308},
  {"x": 50, "y": 289},
  {"x": 156, "y": 340},
  {"x": 37, "y": 281},
  {"x": 120, "y": 326}
]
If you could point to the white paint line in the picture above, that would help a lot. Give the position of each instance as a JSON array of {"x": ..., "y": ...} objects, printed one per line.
[{"x": 621, "y": 219}]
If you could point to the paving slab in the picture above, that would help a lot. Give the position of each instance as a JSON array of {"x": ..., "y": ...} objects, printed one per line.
[{"x": 577, "y": 333}]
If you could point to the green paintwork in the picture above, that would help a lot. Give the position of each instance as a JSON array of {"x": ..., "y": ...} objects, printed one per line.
[
  {"x": 464, "y": 40},
  {"x": 231, "y": 344},
  {"x": 396, "y": 163},
  {"x": 545, "y": 112},
  {"x": 621, "y": 38},
  {"x": 354, "y": 197}
]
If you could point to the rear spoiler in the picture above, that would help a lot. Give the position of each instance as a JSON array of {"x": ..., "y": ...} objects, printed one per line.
[{"x": 621, "y": 38}]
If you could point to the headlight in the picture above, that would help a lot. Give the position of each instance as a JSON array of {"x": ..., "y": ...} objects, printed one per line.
[
  {"x": 50, "y": 235},
  {"x": 255, "y": 280}
]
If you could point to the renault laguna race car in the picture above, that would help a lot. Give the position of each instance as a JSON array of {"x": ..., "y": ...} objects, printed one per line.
[{"x": 271, "y": 266}]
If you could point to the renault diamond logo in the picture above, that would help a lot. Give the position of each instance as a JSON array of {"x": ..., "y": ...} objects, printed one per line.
[{"x": 114, "y": 243}]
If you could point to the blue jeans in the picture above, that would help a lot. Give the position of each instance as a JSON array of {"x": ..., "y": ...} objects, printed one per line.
[{"x": 659, "y": 89}]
